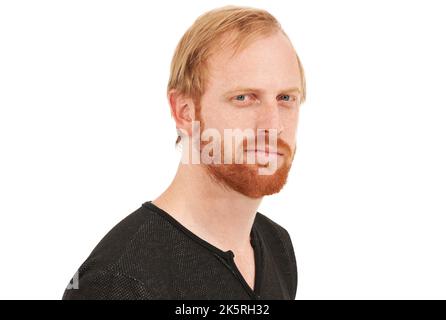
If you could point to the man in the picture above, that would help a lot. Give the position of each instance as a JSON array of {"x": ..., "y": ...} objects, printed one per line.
[{"x": 203, "y": 238}]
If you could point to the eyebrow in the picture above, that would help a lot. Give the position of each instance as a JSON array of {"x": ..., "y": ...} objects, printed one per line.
[{"x": 239, "y": 89}]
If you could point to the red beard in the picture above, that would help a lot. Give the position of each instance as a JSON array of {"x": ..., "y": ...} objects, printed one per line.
[{"x": 246, "y": 179}]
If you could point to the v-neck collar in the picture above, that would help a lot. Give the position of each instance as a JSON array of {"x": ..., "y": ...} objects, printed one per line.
[{"x": 227, "y": 256}]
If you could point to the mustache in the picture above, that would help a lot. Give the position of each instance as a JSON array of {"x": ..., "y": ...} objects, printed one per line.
[{"x": 280, "y": 146}]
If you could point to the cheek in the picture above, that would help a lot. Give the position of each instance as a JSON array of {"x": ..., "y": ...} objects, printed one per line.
[
  {"x": 290, "y": 124},
  {"x": 222, "y": 116},
  {"x": 216, "y": 120},
  {"x": 290, "y": 119}
]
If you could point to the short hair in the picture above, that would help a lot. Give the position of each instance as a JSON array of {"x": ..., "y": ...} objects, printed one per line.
[{"x": 188, "y": 72}]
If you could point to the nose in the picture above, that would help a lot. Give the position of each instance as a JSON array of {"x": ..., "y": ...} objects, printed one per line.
[{"x": 269, "y": 118}]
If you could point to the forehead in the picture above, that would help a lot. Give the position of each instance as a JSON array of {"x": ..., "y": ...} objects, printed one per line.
[{"x": 266, "y": 63}]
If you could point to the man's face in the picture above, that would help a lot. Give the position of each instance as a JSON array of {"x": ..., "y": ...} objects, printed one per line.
[{"x": 255, "y": 89}]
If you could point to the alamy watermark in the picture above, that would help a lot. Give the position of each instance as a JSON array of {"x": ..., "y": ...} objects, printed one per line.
[
  {"x": 74, "y": 282},
  {"x": 209, "y": 147}
]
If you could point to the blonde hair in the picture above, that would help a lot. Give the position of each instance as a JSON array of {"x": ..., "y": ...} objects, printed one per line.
[{"x": 228, "y": 26}]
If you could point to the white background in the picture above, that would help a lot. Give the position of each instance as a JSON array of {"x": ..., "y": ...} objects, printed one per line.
[{"x": 86, "y": 137}]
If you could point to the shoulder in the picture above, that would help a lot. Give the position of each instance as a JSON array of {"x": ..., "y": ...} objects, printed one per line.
[
  {"x": 116, "y": 267},
  {"x": 273, "y": 230},
  {"x": 279, "y": 241},
  {"x": 98, "y": 284}
]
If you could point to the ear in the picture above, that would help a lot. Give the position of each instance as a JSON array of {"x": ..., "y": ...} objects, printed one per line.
[{"x": 182, "y": 109}]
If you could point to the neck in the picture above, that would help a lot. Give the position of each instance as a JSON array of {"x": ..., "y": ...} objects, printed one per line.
[{"x": 219, "y": 215}]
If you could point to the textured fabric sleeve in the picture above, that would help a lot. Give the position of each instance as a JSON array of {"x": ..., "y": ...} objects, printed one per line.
[
  {"x": 105, "y": 285},
  {"x": 288, "y": 245},
  {"x": 293, "y": 262}
]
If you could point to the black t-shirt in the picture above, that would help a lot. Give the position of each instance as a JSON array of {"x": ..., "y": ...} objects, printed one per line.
[{"x": 150, "y": 255}]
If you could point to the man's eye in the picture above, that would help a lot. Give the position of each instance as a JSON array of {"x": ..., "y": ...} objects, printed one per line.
[
  {"x": 241, "y": 97},
  {"x": 287, "y": 97}
]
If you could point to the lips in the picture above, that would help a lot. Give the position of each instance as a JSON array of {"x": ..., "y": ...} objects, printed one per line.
[{"x": 267, "y": 152}]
